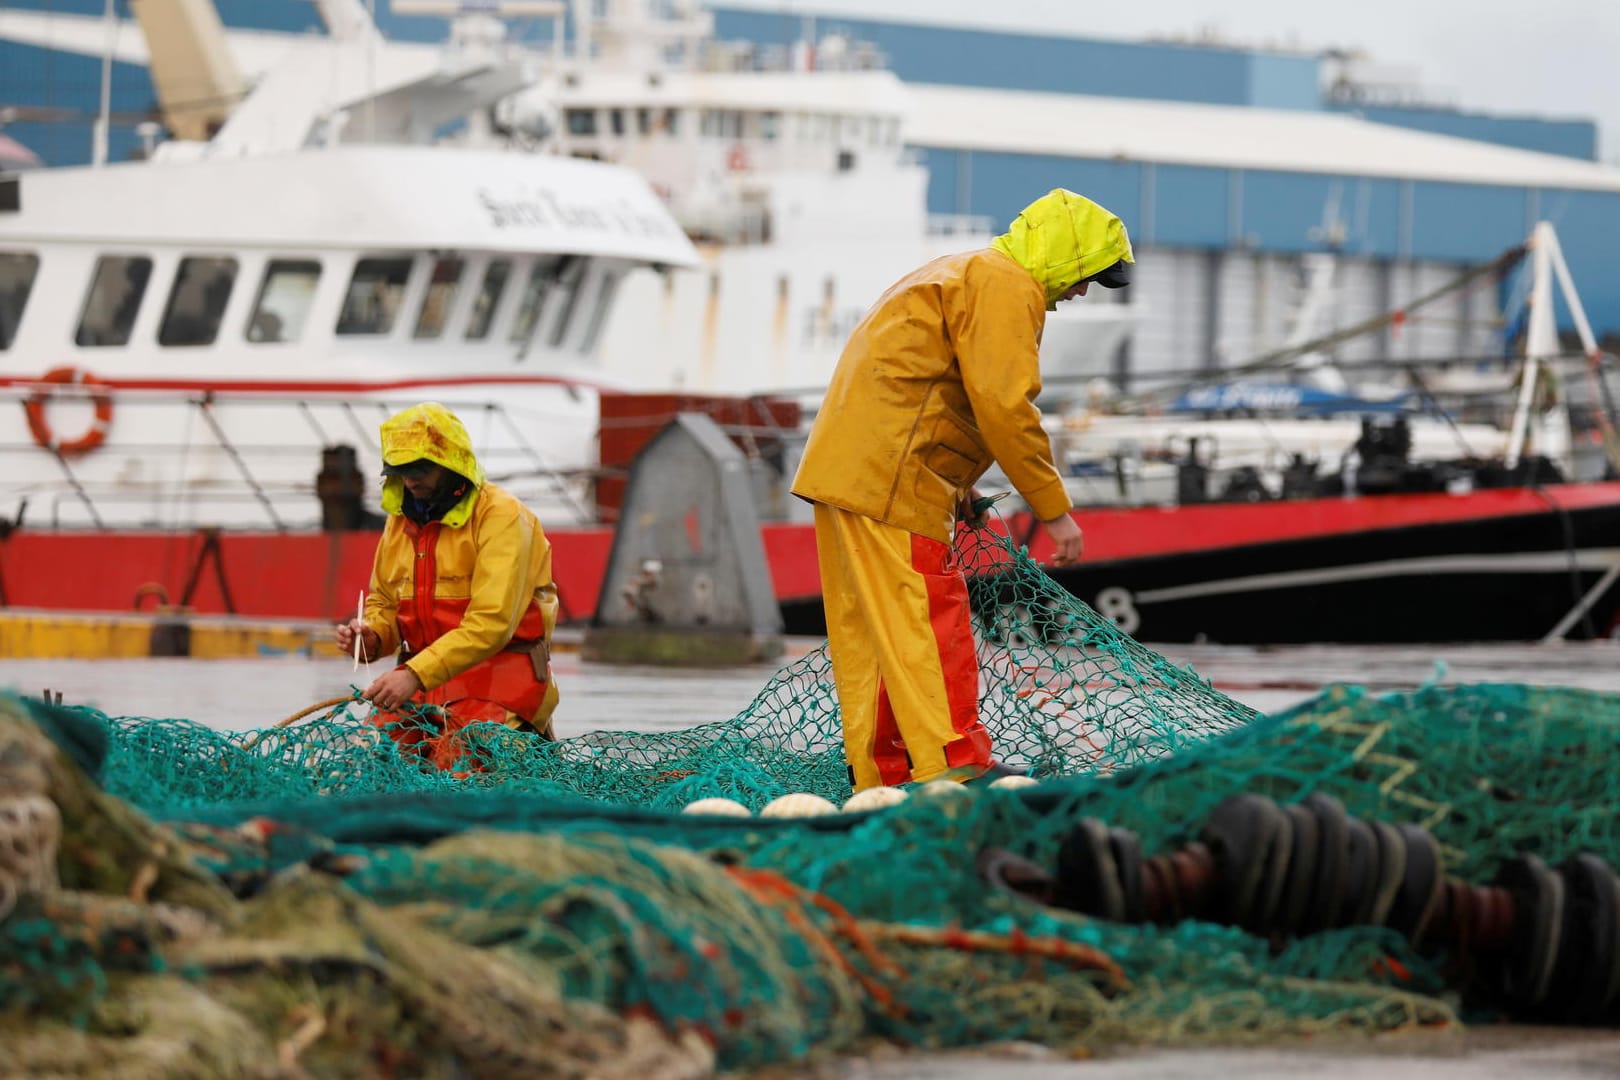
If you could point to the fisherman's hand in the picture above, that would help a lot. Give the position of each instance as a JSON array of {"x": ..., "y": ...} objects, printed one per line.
[
  {"x": 370, "y": 643},
  {"x": 970, "y": 511},
  {"x": 1066, "y": 538},
  {"x": 393, "y": 689}
]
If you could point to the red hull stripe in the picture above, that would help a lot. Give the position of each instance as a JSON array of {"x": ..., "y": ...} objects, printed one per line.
[
  {"x": 1136, "y": 532},
  {"x": 308, "y": 575}
]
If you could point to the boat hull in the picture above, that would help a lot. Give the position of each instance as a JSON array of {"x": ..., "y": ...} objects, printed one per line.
[
  {"x": 1498, "y": 565},
  {"x": 1501, "y": 565}
]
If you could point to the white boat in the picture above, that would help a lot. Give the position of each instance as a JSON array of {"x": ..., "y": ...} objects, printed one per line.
[
  {"x": 504, "y": 229},
  {"x": 1280, "y": 421}
]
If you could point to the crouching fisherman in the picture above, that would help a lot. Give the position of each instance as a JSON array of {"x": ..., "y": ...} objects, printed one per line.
[{"x": 461, "y": 587}]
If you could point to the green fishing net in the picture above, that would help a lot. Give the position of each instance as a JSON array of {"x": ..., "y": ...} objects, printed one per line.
[{"x": 179, "y": 901}]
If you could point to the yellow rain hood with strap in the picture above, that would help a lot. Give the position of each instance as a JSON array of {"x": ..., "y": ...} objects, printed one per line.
[
  {"x": 1062, "y": 238},
  {"x": 433, "y": 432}
]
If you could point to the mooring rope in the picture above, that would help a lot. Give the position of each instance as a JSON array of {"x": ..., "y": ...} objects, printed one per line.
[{"x": 329, "y": 703}]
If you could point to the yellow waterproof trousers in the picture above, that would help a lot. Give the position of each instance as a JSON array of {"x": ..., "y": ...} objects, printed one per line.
[{"x": 902, "y": 651}]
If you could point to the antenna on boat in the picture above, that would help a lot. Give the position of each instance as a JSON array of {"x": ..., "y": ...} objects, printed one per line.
[
  {"x": 1541, "y": 338},
  {"x": 493, "y": 10},
  {"x": 635, "y": 35},
  {"x": 98, "y": 141},
  {"x": 500, "y": 9}
]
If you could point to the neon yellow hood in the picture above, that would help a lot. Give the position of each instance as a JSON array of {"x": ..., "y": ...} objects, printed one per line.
[
  {"x": 1063, "y": 237},
  {"x": 430, "y": 431}
]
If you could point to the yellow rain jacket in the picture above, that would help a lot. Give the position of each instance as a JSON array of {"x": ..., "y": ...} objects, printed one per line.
[
  {"x": 468, "y": 592},
  {"x": 940, "y": 378}
]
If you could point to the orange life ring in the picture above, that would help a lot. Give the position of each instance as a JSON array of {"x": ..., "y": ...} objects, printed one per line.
[
  {"x": 40, "y": 428},
  {"x": 737, "y": 160}
]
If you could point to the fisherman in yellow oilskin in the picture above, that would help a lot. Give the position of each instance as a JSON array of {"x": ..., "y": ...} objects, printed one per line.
[
  {"x": 461, "y": 587},
  {"x": 939, "y": 379}
]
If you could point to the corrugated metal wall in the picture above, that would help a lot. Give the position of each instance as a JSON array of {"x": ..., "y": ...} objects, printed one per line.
[
  {"x": 1059, "y": 62},
  {"x": 1204, "y": 310}
]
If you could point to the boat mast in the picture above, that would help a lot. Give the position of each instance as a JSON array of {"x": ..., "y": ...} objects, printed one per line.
[
  {"x": 1541, "y": 339},
  {"x": 98, "y": 138}
]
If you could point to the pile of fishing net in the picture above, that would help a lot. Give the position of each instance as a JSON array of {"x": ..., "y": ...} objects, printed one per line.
[{"x": 306, "y": 900}]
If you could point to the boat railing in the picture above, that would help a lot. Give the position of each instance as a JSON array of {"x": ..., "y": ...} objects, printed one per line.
[{"x": 254, "y": 460}]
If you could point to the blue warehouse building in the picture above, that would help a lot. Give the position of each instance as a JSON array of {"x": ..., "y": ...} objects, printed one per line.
[
  {"x": 1228, "y": 164},
  {"x": 1103, "y": 117}
]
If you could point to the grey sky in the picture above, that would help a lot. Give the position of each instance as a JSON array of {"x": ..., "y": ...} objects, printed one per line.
[{"x": 1555, "y": 58}]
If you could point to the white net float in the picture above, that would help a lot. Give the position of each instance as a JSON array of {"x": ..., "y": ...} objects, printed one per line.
[
  {"x": 718, "y": 807},
  {"x": 799, "y": 804},
  {"x": 875, "y": 798},
  {"x": 942, "y": 789}
]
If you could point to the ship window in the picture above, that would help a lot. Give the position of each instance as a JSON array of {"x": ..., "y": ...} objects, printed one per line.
[
  {"x": 581, "y": 121},
  {"x": 374, "y": 294},
  {"x": 616, "y": 121},
  {"x": 202, "y": 288},
  {"x": 599, "y": 313},
  {"x": 114, "y": 299},
  {"x": 769, "y": 125},
  {"x": 534, "y": 297},
  {"x": 17, "y": 270},
  {"x": 439, "y": 298},
  {"x": 569, "y": 279},
  {"x": 671, "y": 121},
  {"x": 644, "y": 121},
  {"x": 285, "y": 296},
  {"x": 489, "y": 299},
  {"x": 709, "y": 122}
]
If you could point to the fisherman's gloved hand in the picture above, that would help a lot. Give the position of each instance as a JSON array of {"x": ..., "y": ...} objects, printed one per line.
[{"x": 973, "y": 509}]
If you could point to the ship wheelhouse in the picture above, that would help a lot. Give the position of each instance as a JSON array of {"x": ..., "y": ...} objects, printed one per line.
[{"x": 219, "y": 324}]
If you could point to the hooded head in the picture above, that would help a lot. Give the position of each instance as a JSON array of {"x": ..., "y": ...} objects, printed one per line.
[
  {"x": 1063, "y": 239},
  {"x": 428, "y": 432}
]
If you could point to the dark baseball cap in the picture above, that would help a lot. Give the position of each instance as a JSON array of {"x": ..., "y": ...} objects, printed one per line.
[
  {"x": 1116, "y": 276},
  {"x": 409, "y": 469}
]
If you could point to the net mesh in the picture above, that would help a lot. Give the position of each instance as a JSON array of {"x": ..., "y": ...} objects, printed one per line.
[{"x": 181, "y": 901}]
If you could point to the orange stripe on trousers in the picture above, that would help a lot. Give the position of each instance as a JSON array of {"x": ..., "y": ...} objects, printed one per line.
[{"x": 948, "y": 616}]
